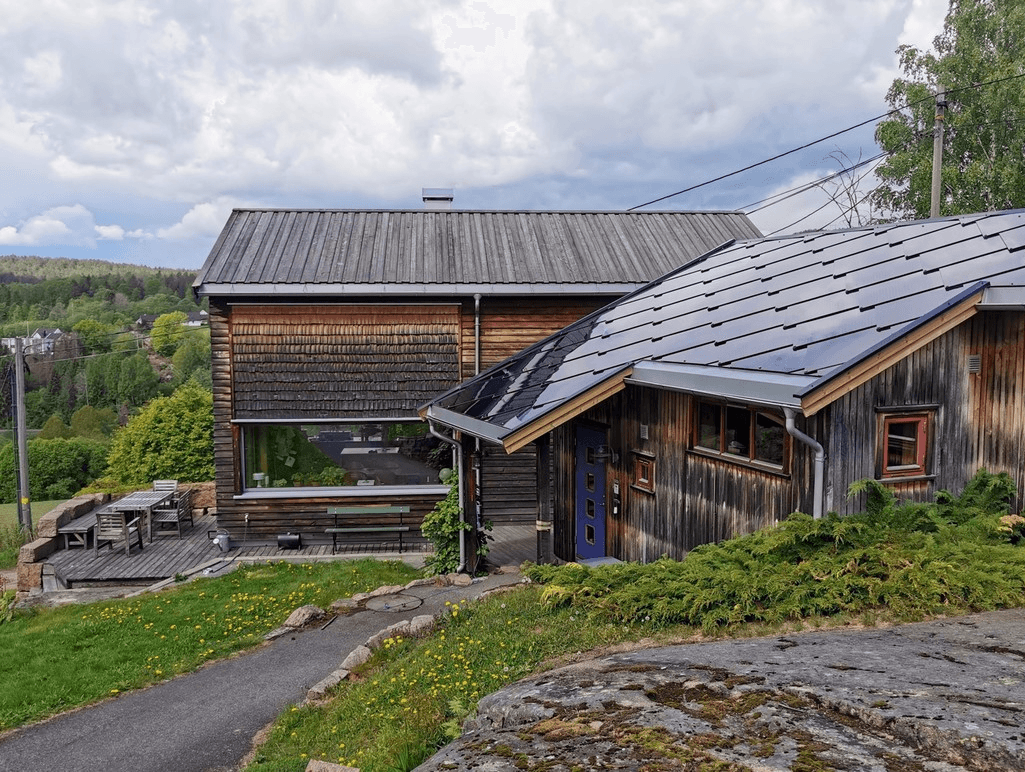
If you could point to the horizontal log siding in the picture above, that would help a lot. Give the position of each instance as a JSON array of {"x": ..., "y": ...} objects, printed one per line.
[
  {"x": 270, "y": 517},
  {"x": 344, "y": 361},
  {"x": 225, "y": 463},
  {"x": 697, "y": 499},
  {"x": 979, "y": 422},
  {"x": 511, "y": 324}
]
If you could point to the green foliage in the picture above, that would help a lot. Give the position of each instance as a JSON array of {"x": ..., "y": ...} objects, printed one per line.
[
  {"x": 96, "y": 336},
  {"x": 54, "y": 428},
  {"x": 58, "y": 468},
  {"x": 168, "y": 332},
  {"x": 93, "y": 423},
  {"x": 171, "y": 437},
  {"x": 193, "y": 354},
  {"x": 910, "y": 559},
  {"x": 983, "y": 159},
  {"x": 443, "y": 525}
]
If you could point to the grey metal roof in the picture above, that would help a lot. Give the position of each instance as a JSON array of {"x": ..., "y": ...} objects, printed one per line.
[
  {"x": 310, "y": 252},
  {"x": 776, "y": 317}
]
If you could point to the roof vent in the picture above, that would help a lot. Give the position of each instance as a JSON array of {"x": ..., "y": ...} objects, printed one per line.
[{"x": 437, "y": 198}]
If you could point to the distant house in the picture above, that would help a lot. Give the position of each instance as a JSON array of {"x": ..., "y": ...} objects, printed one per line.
[
  {"x": 330, "y": 328},
  {"x": 192, "y": 319},
  {"x": 765, "y": 377}
]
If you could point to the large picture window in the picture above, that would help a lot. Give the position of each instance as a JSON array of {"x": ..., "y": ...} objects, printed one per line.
[
  {"x": 349, "y": 455},
  {"x": 904, "y": 441},
  {"x": 740, "y": 433}
]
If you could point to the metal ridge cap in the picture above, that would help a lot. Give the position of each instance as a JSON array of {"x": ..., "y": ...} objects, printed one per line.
[{"x": 418, "y": 288}]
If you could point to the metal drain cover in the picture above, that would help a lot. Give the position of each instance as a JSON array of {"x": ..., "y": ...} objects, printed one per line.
[{"x": 394, "y": 603}]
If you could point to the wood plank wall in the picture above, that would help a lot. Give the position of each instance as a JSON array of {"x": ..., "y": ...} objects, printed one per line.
[
  {"x": 979, "y": 422},
  {"x": 696, "y": 499}
]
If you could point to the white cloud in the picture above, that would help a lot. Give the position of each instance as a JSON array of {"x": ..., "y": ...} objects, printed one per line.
[
  {"x": 201, "y": 221},
  {"x": 110, "y": 232},
  {"x": 59, "y": 225}
]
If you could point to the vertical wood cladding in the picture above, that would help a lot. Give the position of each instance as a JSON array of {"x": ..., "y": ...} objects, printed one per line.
[
  {"x": 225, "y": 444},
  {"x": 341, "y": 361},
  {"x": 978, "y": 422},
  {"x": 696, "y": 499}
]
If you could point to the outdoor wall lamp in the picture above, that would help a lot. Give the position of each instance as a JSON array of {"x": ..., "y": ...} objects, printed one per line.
[{"x": 604, "y": 453}]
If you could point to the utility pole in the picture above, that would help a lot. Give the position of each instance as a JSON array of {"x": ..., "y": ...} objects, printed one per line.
[
  {"x": 24, "y": 501},
  {"x": 937, "y": 151}
]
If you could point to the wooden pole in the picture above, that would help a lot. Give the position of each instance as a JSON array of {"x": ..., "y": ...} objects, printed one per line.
[
  {"x": 937, "y": 153},
  {"x": 24, "y": 500}
]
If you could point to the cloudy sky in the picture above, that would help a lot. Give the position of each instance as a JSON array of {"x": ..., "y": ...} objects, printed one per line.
[{"x": 130, "y": 128}]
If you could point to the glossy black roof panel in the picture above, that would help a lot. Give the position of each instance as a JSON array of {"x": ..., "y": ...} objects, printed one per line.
[{"x": 807, "y": 305}]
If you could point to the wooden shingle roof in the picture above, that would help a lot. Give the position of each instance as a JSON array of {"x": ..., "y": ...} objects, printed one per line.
[
  {"x": 782, "y": 321},
  {"x": 293, "y": 251}
]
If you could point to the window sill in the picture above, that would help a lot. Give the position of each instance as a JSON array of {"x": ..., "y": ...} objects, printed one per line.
[
  {"x": 348, "y": 491},
  {"x": 740, "y": 462},
  {"x": 909, "y": 478},
  {"x": 642, "y": 489}
]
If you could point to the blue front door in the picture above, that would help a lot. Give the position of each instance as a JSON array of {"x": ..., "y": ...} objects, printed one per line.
[{"x": 590, "y": 496}]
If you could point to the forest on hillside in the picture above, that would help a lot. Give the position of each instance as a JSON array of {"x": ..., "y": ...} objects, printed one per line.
[{"x": 105, "y": 359}]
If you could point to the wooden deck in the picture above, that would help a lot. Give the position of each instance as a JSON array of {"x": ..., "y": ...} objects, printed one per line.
[{"x": 167, "y": 555}]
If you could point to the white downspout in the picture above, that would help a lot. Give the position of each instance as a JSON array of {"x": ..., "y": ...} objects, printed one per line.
[
  {"x": 820, "y": 459},
  {"x": 477, "y": 449},
  {"x": 459, "y": 471}
]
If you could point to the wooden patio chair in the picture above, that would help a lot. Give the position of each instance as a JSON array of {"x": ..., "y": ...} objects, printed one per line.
[
  {"x": 114, "y": 526},
  {"x": 176, "y": 511}
]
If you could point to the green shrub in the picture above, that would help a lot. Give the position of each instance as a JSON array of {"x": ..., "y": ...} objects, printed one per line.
[
  {"x": 57, "y": 466},
  {"x": 172, "y": 437},
  {"x": 442, "y": 526},
  {"x": 957, "y": 554}
]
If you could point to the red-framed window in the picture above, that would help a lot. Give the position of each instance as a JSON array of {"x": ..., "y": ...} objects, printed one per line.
[{"x": 905, "y": 443}]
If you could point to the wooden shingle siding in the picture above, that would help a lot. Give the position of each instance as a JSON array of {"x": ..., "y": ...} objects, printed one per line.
[{"x": 344, "y": 361}]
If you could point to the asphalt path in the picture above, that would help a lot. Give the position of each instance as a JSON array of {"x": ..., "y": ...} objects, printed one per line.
[{"x": 206, "y": 721}]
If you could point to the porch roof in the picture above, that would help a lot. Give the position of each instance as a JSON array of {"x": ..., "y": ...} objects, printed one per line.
[{"x": 789, "y": 321}]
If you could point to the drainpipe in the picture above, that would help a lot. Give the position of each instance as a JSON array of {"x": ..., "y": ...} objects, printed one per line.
[
  {"x": 476, "y": 333},
  {"x": 477, "y": 450},
  {"x": 820, "y": 459},
  {"x": 462, "y": 512}
]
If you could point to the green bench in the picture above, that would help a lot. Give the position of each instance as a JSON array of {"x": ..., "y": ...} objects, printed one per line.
[{"x": 368, "y": 511}]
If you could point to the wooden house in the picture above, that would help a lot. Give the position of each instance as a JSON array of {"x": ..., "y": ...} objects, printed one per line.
[
  {"x": 330, "y": 328},
  {"x": 765, "y": 377}
]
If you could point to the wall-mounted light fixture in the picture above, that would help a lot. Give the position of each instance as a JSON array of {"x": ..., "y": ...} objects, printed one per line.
[{"x": 604, "y": 453}]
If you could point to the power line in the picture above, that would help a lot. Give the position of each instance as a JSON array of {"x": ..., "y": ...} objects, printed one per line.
[
  {"x": 823, "y": 139},
  {"x": 795, "y": 191}
]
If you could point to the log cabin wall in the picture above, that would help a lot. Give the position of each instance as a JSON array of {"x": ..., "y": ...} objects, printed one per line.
[
  {"x": 978, "y": 421},
  {"x": 695, "y": 500}
]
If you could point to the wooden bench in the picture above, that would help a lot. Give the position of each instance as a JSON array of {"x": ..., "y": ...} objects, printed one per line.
[
  {"x": 76, "y": 532},
  {"x": 367, "y": 511}
]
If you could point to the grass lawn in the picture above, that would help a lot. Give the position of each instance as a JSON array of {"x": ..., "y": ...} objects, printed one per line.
[
  {"x": 10, "y": 534},
  {"x": 56, "y": 659}
]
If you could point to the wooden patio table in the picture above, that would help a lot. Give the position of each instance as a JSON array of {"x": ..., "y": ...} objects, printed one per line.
[{"x": 142, "y": 503}]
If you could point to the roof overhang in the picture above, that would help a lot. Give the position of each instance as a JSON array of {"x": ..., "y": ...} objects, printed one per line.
[
  {"x": 888, "y": 352},
  {"x": 754, "y": 387},
  {"x": 515, "y": 439},
  {"x": 206, "y": 289},
  {"x": 1003, "y": 299}
]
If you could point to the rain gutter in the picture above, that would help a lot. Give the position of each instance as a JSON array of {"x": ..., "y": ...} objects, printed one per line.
[
  {"x": 459, "y": 481},
  {"x": 820, "y": 459}
]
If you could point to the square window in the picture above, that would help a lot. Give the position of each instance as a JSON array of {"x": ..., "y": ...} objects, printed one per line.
[
  {"x": 741, "y": 434},
  {"x": 770, "y": 439},
  {"x": 904, "y": 445}
]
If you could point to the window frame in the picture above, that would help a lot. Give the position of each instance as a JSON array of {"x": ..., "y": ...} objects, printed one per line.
[
  {"x": 923, "y": 420},
  {"x": 642, "y": 462},
  {"x": 724, "y": 453},
  {"x": 249, "y": 491}
]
